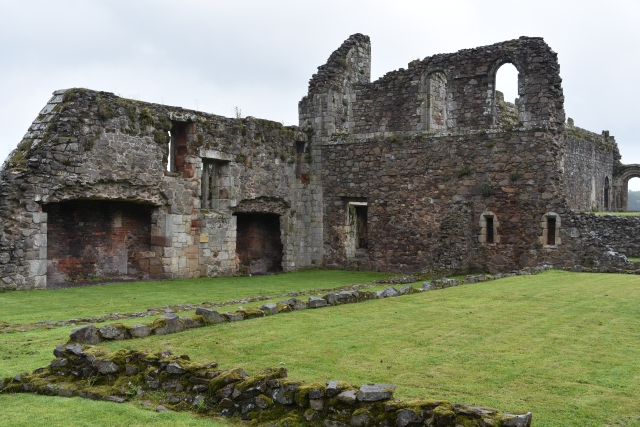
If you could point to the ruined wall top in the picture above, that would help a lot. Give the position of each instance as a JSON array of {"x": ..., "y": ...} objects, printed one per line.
[
  {"x": 441, "y": 93},
  {"x": 351, "y": 62}
]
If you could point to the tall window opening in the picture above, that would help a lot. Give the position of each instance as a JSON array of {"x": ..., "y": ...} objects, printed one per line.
[
  {"x": 606, "y": 193},
  {"x": 210, "y": 190},
  {"x": 170, "y": 155},
  {"x": 301, "y": 170},
  {"x": 435, "y": 105},
  {"x": 551, "y": 231},
  {"x": 550, "y": 224},
  {"x": 357, "y": 229},
  {"x": 489, "y": 230},
  {"x": 177, "y": 147},
  {"x": 633, "y": 194},
  {"x": 506, "y": 95}
]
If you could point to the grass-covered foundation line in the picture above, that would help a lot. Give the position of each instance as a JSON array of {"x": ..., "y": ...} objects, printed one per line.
[
  {"x": 266, "y": 398},
  {"x": 170, "y": 323}
]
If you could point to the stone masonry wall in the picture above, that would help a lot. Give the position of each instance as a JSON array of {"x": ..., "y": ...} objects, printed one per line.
[
  {"x": 588, "y": 159},
  {"x": 93, "y": 145},
  {"x": 426, "y": 194},
  {"x": 430, "y": 150}
]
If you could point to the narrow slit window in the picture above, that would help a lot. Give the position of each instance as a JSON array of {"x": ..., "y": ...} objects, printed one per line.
[
  {"x": 210, "y": 190},
  {"x": 551, "y": 231},
  {"x": 170, "y": 154},
  {"x": 489, "y": 229}
]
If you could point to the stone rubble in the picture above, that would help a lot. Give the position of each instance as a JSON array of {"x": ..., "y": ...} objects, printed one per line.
[{"x": 267, "y": 398}]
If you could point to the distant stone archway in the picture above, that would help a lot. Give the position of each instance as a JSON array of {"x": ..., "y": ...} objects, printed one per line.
[{"x": 621, "y": 185}]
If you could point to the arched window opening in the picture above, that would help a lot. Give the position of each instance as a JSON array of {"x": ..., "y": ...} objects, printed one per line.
[
  {"x": 489, "y": 228},
  {"x": 606, "y": 194},
  {"x": 506, "y": 95},
  {"x": 633, "y": 194}
]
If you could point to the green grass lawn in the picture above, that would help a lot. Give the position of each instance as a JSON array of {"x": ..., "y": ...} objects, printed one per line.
[
  {"x": 77, "y": 412},
  {"x": 562, "y": 345},
  {"x": 34, "y": 306},
  {"x": 632, "y": 213},
  {"x": 634, "y": 259}
]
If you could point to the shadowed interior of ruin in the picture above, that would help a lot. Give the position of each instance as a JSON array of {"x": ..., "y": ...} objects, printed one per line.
[
  {"x": 99, "y": 239},
  {"x": 258, "y": 245}
]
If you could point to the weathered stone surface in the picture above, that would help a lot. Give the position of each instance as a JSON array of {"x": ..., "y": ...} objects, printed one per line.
[
  {"x": 376, "y": 392},
  {"x": 192, "y": 322},
  {"x": 285, "y": 395},
  {"x": 407, "y": 418},
  {"x": 106, "y": 366},
  {"x": 211, "y": 316},
  {"x": 333, "y": 388},
  {"x": 348, "y": 396},
  {"x": 295, "y": 304},
  {"x": 363, "y": 419},
  {"x": 315, "y": 302},
  {"x": 139, "y": 331},
  {"x": 316, "y": 404},
  {"x": 233, "y": 317},
  {"x": 168, "y": 324},
  {"x": 269, "y": 308},
  {"x": 86, "y": 335},
  {"x": 174, "y": 368},
  {"x": 113, "y": 332},
  {"x": 390, "y": 292},
  {"x": 59, "y": 351},
  {"x": 511, "y": 420}
]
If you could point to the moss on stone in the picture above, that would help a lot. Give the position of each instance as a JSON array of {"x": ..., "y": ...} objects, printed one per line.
[
  {"x": 283, "y": 308},
  {"x": 250, "y": 312},
  {"x": 265, "y": 375},
  {"x": 160, "y": 322},
  {"x": 225, "y": 378}
]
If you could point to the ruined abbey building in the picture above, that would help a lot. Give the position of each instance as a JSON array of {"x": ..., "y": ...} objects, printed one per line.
[{"x": 426, "y": 169}]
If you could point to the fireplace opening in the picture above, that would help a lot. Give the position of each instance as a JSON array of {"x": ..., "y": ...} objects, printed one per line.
[
  {"x": 94, "y": 240},
  {"x": 258, "y": 243}
]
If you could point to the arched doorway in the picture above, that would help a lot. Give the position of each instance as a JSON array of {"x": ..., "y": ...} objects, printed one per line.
[{"x": 621, "y": 186}]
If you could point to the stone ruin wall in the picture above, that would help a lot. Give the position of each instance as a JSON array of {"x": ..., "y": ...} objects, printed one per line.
[
  {"x": 88, "y": 145},
  {"x": 588, "y": 159},
  {"x": 430, "y": 150},
  {"x": 432, "y": 154}
]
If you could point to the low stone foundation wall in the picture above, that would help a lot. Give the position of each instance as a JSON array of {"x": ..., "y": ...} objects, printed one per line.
[
  {"x": 170, "y": 323},
  {"x": 268, "y": 398}
]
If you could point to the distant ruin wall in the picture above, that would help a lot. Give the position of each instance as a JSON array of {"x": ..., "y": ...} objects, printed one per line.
[{"x": 588, "y": 163}]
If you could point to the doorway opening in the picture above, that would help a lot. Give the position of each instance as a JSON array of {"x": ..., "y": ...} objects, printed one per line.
[{"x": 258, "y": 243}]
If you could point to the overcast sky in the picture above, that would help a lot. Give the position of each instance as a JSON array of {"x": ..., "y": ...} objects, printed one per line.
[{"x": 258, "y": 55}]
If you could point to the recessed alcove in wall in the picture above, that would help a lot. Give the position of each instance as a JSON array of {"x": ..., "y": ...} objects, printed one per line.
[
  {"x": 97, "y": 239},
  {"x": 258, "y": 243}
]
